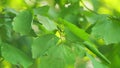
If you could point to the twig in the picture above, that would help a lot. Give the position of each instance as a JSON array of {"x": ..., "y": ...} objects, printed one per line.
[{"x": 88, "y": 8}]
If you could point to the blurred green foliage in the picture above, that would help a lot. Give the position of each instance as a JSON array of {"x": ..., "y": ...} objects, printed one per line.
[{"x": 59, "y": 34}]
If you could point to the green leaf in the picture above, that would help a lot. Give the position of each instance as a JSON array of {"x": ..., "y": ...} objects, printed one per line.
[
  {"x": 54, "y": 59},
  {"x": 63, "y": 52},
  {"x": 51, "y": 62},
  {"x": 58, "y": 57},
  {"x": 41, "y": 10},
  {"x": 5, "y": 32},
  {"x": 71, "y": 53},
  {"x": 32, "y": 33},
  {"x": 80, "y": 33},
  {"x": 91, "y": 47},
  {"x": 70, "y": 37},
  {"x": 15, "y": 56},
  {"x": 22, "y": 22},
  {"x": 56, "y": 51},
  {"x": 96, "y": 63},
  {"x": 107, "y": 29},
  {"x": 42, "y": 44},
  {"x": 47, "y": 23}
]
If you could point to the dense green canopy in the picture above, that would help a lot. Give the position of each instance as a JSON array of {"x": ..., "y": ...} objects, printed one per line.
[{"x": 59, "y": 34}]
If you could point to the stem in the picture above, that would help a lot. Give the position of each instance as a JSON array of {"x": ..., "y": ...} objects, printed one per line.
[{"x": 88, "y": 8}]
